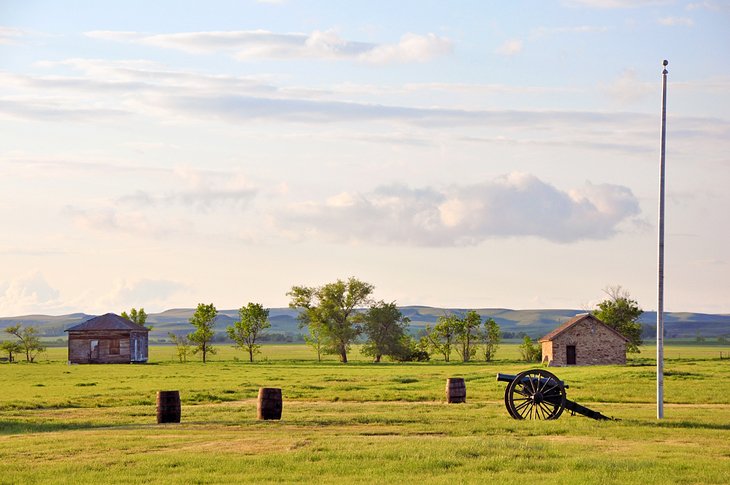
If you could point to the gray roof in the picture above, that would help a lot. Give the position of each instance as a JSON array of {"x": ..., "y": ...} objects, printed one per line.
[{"x": 110, "y": 321}]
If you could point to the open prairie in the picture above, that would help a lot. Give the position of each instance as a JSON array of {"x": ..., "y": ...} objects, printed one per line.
[{"x": 357, "y": 423}]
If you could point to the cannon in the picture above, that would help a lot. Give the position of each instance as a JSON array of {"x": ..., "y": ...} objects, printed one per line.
[{"x": 538, "y": 394}]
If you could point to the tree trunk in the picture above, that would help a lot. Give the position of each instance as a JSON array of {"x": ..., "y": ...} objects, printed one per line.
[
  {"x": 250, "y": 354},
  {"x": 343, "y": 356},
  {"x": 377, "y": 358}
]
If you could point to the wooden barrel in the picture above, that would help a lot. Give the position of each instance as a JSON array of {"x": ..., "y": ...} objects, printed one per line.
[
  {"x": 269, "y": 404},
  {"x": 455, "y": 390},
  {"x": 168, "y": 407}
]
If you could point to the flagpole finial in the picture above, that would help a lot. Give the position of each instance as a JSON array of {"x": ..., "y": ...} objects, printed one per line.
[{"x": 665, "y": 63}]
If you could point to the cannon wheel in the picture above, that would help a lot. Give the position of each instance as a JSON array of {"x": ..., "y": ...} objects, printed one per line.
[{"x": 535, "y": 394}]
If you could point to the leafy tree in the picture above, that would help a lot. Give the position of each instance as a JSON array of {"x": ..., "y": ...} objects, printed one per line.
[
  {"x": 332, "y": 311},
  {"x": 28, "y": 341},
  {"x": 417, "y": 350},
  {"x": 442, "y": 336},
  {"x": 467, "y": 330},
  {"x": 530, "y": 351},
  {"x": 315, "y": 338},
  {"x": 137, "y": 316},
  {"x": 253, "y": 319},
  {"x": 385, "y": 327},
  {"x": 182, "y": 345},
  {"x": 620, "y": 312},
  {"x": 491, "y": 337},
  {"x": 203, "y": 320},
  {"x": 11, "y": 348}
]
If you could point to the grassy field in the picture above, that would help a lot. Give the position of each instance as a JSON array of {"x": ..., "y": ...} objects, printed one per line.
[{"x": 357, "y": 423}]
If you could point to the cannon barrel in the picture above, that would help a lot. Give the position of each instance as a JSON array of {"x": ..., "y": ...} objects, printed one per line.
[
  {"x": 576, "y": 408},
  {"x": 510, "y": 377}
]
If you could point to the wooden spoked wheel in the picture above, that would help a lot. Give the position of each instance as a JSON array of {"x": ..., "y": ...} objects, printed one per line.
[{"x": 535, "y": 394}]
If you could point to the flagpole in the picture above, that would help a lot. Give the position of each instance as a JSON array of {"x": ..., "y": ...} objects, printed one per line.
[{"x": 660, "y": 275}]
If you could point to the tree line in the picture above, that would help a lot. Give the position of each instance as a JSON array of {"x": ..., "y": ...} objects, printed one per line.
[{"x": 339, "y": 314}]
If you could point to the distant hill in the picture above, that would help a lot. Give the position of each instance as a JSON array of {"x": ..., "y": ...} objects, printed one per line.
[{"x": 284, "y": 323}]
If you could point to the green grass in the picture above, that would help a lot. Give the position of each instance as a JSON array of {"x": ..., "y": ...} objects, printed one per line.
[{"x": 356, "y": 423}]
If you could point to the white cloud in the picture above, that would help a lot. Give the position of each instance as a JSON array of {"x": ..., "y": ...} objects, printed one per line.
[
  {"x": 115, "y": 221},
  {"x": 55, "y": 110},
  {"x": 10, "y": 35},
  {"x": 627, "y": 88},
  {"x": 263, "y": 44},
  {"x": 28, "y": 293},
  {"x": 155, "y": 294},
  {"x": 510, "y": 48},
  {"x": 710, "y": 5},
  {"x": 676, "y": 21},
  {"x": 580, "y": 29},
  {"x": 617, "y": 3},
  {"x": 205, "y": 190},
  {"x": 411, "y": 48},
  {"x": 515, "y": 205}
]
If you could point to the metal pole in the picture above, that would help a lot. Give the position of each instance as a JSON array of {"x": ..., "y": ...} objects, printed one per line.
[{"x": 660, "y": 279}]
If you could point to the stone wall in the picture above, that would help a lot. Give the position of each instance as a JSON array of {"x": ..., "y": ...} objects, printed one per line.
[{"x": 595, "y": 344}]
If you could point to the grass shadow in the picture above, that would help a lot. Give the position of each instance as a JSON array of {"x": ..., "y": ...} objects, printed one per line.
[
  {"x": 8, "y": 427},
  {"x": 679, "y": 424}
]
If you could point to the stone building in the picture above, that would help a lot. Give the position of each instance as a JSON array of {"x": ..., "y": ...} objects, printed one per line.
[
  {"x": 107, "y": 339},
  {"x": 584, "y": 340}
]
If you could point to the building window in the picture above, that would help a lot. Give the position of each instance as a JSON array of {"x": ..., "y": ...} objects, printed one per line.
[{"x": 114, "y": 347}]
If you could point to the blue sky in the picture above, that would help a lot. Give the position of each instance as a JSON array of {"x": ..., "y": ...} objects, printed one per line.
[{"x": 463, "y": 154}]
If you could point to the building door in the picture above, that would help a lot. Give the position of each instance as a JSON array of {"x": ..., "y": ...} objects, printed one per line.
[
  {"x": 94, "y": 350},
  {"x": 570, "y": 354}
]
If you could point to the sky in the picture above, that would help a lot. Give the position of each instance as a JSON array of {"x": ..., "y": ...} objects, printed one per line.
[{"x": 471, "y": 154}]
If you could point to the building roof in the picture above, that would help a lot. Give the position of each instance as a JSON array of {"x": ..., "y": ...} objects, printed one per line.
[
  {"x": 574, "y": 321},
  {"x": 110, "y": 321}
]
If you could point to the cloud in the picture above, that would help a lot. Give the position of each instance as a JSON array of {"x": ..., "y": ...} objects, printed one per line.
[
  {"x": 263, "y": 44},
  {"x": 676, "y": 21},
  {"x": 152, "y": 294},
  {"x": 627, "y": 88},
  {"x": 709, "y": 5},
  {"x": 112, "y": 89},
  {"x": 202, "y": 200},
  {"x": 117, "y": 221},
  {"x": 236, "y": 109},
  {"x": 48, "y": 110},
  {"x": 515, "y": 205},
  {"x": 206, "y": 190},
  {"x": 616, "y": 3},
  {"x": 411, "y": 48},
  {"x": 11, "y": 36},
  {"x": 510, "y": 48},
  {"x": 27, "y": 294},
  {"x": 580, "y": 29}
]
